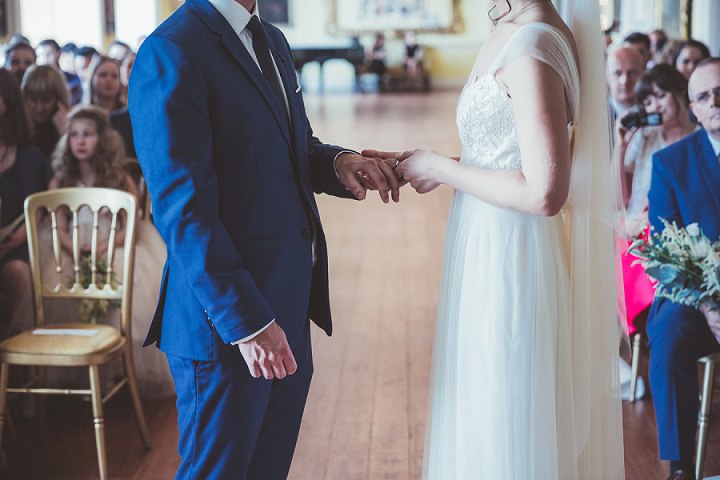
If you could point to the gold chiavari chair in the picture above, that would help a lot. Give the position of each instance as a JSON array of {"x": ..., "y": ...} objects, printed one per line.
[
  {"x": 637, "y": 342},
  {"x": 706, "y": 396},
  {"x": 65, "y": 342}
]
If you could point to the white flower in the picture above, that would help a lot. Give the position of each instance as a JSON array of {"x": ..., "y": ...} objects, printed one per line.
[
  {"x": 701, "y": 249},
  {"x": 693, "y": 230},
  {"x": 713, "y": 258},
  {"x": 676, "y": 250}
]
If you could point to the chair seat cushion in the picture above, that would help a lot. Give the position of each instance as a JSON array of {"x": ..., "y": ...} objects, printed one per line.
[{"x": 63, "y": 339}]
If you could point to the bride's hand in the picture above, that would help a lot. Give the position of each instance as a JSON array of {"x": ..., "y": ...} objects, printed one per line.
[{"x": 424, "y": 169}]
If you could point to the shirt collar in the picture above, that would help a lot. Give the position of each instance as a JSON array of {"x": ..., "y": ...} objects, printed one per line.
[
  {"x": 715, "y": 144},
  {"x": 236, "y": 15},
  {"x": 620, "y": 109}
]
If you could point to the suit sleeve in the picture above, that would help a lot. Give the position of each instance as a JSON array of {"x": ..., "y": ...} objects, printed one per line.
[
  {"x": 173, "y": 137},
  {"x": 661, "y": 197},
  {"x": 322, "y": 167}
]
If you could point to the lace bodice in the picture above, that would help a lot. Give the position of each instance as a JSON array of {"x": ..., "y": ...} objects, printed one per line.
[{"x": 485, "y": 120}]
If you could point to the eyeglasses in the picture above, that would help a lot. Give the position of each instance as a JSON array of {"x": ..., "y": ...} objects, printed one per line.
[{"x": 704, "y": 98}]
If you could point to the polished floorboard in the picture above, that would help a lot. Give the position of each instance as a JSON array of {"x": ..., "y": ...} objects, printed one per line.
[{"x": 365, "y": 416}]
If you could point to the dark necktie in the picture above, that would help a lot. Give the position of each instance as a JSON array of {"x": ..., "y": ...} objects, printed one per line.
[{"x": 262, "y": 52}]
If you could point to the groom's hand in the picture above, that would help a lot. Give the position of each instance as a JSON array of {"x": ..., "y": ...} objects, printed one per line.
[
  {"x": 360, "y": 173},
  {"x": 268, "y": 354},
  {"x": 391, "y": 159}
]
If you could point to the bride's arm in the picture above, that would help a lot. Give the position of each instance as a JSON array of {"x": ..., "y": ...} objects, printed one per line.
[{"x": 541, "y": 186}]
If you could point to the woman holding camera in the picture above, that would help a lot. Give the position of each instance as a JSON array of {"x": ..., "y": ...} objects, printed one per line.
[{"x": 661, "y": 118}]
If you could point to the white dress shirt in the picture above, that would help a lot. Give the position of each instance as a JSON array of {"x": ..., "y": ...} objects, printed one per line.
[
  {"x": 238, "y": 18},
  {"x": 618, "y": 108},
  {"x": 715, "y": 142}
]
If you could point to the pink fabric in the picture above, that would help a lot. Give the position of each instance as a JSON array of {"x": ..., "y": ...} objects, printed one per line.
[{"x": 639, "y": 289}]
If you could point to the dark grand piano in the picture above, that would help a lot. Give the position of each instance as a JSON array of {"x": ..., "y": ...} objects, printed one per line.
[{"x": 352, "y": 52}]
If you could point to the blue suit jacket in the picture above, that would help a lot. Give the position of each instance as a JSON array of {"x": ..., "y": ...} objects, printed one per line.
[
  {"x": 685, "y": 188},
  {"x": 685, "y": 185},
  {"x": 232, "y": 184}
]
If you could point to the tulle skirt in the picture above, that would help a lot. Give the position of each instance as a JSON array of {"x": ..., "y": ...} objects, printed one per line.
[{"x": 501, "y": 393}]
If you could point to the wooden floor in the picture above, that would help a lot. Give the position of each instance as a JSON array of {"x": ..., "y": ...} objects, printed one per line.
[{"x": 366, "y": 412}]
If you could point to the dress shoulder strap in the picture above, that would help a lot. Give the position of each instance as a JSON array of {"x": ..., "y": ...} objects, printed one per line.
[{"x": 548, "y": 45}]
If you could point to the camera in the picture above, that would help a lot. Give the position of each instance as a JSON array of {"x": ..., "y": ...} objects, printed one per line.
[{"x": 641, "y": 119}]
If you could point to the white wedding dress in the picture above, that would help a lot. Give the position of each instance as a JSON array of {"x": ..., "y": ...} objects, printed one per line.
[{"x": 504, "y": 394}]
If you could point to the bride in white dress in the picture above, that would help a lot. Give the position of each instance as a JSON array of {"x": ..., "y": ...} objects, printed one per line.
[{"x": 524, "y": 382}]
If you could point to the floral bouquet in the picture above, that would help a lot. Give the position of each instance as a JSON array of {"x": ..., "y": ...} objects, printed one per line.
[
  {"x": 686, "y": 266},
  {"x": 91, "y": 310}
]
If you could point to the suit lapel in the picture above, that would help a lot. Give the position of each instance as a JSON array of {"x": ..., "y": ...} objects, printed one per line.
[
  {"x": 217, "y": 23},
  {"x": 289, "y": 82},
  {"x": 709, "y": 166}
]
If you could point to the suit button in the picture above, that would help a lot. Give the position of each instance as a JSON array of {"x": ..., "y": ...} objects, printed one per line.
[{"x": 307, "y": 234}]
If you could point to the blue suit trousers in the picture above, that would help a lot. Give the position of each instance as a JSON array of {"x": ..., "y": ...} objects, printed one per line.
[
  {"x": 234, "y": 426},
  {"x": 678, "y": 336}
]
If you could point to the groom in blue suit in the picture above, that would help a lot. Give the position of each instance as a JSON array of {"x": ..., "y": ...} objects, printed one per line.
[
  {"x": 685, "y": 189},
  {"x": 231, "y": 165}
]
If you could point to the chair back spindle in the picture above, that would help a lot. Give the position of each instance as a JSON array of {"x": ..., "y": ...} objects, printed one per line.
[{"x": 121, "y": 209}]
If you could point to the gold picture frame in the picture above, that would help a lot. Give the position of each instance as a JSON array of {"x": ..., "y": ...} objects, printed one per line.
[
  {"x": 437, "y": 16},
  {"x": 675, "y": 17}
]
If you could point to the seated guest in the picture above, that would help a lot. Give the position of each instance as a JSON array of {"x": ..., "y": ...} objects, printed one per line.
[
  {"x": 413, "y": 60},
  {"x": 624, "y": 67},
  {"x": 106, "y": 91},
  {"x": 23, "y": 171},
  {"x": 376, "y": 55},
  {"x": 105, "y": 86},
  {"x": 641, "y": 43},
  {"x": 684, "y": 190},
  {"x": 688, "y": 55},
  {"x": 48, "y": 53},
  {"x": 662, "y": 90},
  {"x": 91, "y": 154},
  {"x": 658, "y": 39},
  {"x": 46, "y": 98},
  {"x": 19, "y": 55},
  {"x": 119, "y": 50},
  {"x": 67, "y": 58},
  {"x": 84, "y": 61}
]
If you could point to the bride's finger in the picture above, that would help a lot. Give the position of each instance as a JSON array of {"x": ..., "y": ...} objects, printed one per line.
[
  {"x": 426, "y": 186},
  {"x": 405, "y": 155}
]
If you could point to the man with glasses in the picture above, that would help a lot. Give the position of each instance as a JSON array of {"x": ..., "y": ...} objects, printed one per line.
[{"x": 684, "y": 190}]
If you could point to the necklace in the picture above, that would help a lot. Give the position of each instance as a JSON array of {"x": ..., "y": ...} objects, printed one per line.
[{"x": 510, "y": 15}]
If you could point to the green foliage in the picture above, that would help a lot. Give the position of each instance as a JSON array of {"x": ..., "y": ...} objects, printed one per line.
[
  {"x": 684, "y": 262},
  {"x": 91, "y": 310}
]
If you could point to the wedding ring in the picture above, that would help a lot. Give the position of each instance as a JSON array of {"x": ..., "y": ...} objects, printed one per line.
[{"x": 397, "y": 162}]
